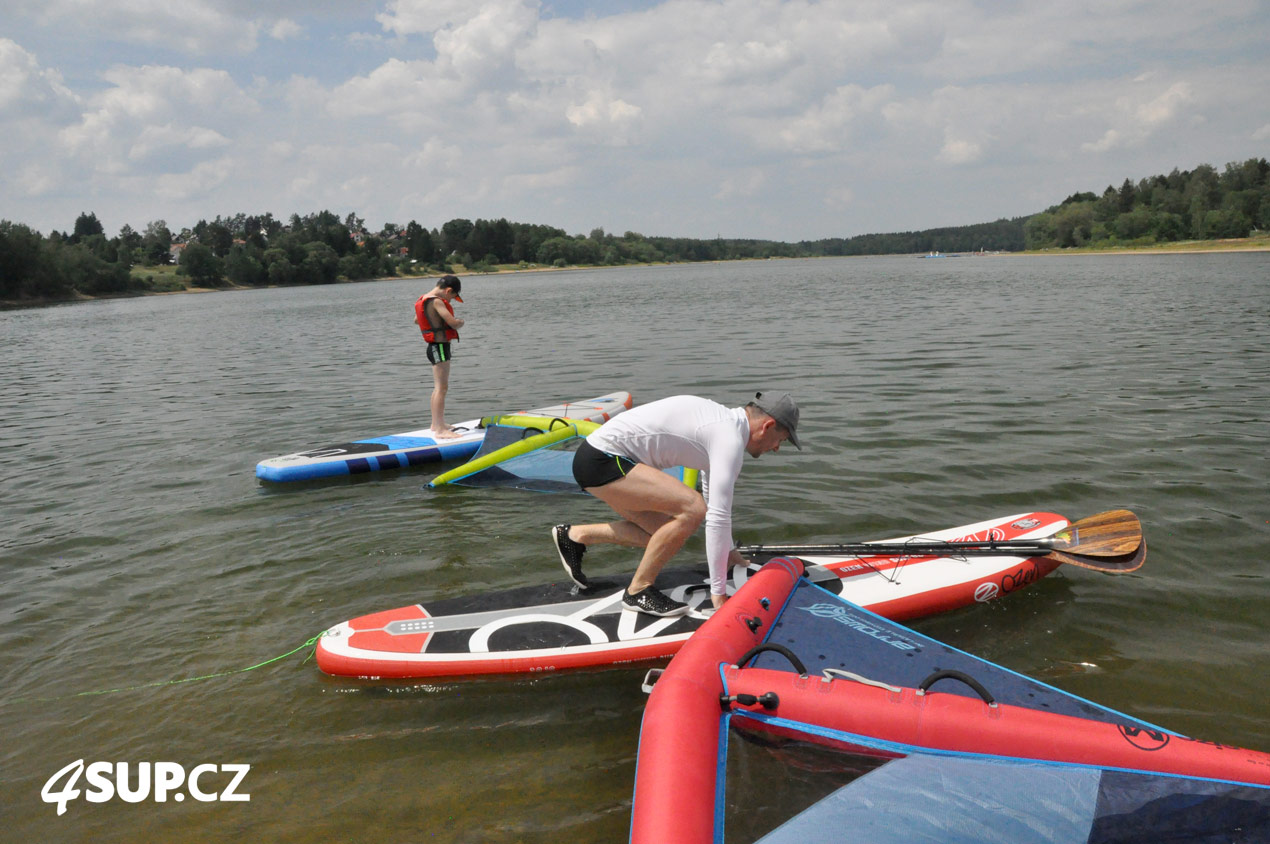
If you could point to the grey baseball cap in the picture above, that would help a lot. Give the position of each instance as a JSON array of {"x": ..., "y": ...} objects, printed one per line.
[{"x": 782, "y": 408}]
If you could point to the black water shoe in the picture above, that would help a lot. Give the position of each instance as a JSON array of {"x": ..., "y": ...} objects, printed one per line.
[
  {"x": 570, "y": 554},
  {"x": 652, "y": 601}
]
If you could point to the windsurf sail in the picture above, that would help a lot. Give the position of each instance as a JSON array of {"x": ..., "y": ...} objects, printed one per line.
[
  {"x": 537, "y": 457},
  {"x": 794, "y": 716}
]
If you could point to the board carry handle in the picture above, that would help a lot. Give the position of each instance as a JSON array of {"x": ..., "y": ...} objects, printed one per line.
[
  {"x": 775, "y": 648},
  {"x": 953, "y": 674}
]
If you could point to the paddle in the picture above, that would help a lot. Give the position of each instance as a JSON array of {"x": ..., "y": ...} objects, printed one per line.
[{"x": 1110, "y": 542}]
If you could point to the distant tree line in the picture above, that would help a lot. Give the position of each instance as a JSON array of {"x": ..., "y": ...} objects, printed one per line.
[
  {"x": 33, "y": 266},
  {"x": 1199, "y": 204},
  {"x": 321, "y": 248},
  {"x": 1001, "y": 236}
]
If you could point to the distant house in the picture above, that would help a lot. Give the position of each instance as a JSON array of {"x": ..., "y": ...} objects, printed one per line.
[{"x": 174, "y": 253}]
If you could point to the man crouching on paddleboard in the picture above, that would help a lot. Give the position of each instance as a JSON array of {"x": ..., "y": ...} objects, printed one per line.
[{"x": 621, "y": 464}]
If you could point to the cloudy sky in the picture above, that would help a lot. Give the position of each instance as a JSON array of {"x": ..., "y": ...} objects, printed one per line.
[{"x": 781, "y": 119}]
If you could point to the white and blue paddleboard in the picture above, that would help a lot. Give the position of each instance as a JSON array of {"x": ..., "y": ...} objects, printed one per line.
[{"x": 413, "y": 448}]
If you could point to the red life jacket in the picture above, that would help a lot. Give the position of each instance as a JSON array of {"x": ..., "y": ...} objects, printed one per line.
[{"x": 429, "y": 330}]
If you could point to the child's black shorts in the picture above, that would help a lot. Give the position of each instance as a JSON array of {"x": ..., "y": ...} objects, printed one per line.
[{"x": 438, "y": 353}]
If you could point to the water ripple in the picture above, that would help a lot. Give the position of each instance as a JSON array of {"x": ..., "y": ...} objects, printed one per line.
[{"x": 138, "y": 547}]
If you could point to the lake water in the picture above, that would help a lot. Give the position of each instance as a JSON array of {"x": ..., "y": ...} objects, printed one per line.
[{"x": 138, "y": 548}]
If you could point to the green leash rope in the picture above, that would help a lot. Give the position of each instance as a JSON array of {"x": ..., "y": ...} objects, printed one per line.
[{"x": 311, "y": 643}]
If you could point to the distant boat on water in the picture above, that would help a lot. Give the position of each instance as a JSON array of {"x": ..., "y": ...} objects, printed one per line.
[{"x": 938, "y": 254}]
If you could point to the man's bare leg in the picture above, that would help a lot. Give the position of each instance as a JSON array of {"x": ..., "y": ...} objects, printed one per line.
[
  {"x": 633, "y": 532},
  {"x": 658, "y": 513}
]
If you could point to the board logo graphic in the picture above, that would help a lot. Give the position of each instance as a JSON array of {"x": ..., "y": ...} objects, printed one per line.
[
  {"x": 1011, "y": 581},
  {"x": 1144, "y": 738},
  {"x": 1026, "y": 524},
  {"x": 993, "y": 534},
  {"x": 986, "y": 592},
  {"x": 105, "y": 781},
  {"x": 844, "y": 616}
]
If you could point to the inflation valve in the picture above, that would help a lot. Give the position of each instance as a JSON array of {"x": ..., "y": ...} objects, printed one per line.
[{"x": 768, "y": 700}]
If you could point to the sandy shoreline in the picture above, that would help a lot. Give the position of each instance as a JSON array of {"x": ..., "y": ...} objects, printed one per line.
[{"x": 1188, "y": 247}]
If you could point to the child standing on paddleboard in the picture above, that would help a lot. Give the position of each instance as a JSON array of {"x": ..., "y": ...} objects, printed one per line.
[{"x": 435, "y": 317}]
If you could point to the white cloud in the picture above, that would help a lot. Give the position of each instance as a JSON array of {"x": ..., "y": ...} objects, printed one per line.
[
  {"x": 475, "y": 44},
  {"x": 960, "y": 151},
  {"x": 552, "y": 180},
  {"x": 395, "y": 87},
  {"x": 28, "y": 89},
  {"x": 35, "y": 104},
  {"x": 685, "y": 116},
  {"x": 303, "y": 94},
  {"x": 154, "y": 139},
  {"x": 285, "y": 28},
  {"x": 839, "y": 197},
  {"x": 1137, "y": 120},
  {"x": 748, "y": 61},
  {"x": 196, "y": 26},
  {"x": 37, "y": 178},
  {"x": 1085, "y": 37},
  {"x": 1165, "y": 107},
  {"x": 198, "y": 182},
  {"x": 162, "y": 119},
  {"x": 486, "y": 42},
  {"x": 917, "y": 31},
  {"x": 746, "y": 183},
  {"x": 610, "y": 117},
  {"x": 421, "y": 17},
  {"x": 434, "y": 155},
  {"x": 826, "y": 126}
]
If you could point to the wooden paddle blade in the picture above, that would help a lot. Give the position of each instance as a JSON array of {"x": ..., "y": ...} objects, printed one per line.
[
  {"x": 1115, "y": 533},
  {"x": 1121, "y": 564}
]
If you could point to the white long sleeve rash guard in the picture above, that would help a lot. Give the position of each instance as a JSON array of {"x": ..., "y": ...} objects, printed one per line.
[{"x": 699, "y": 434}]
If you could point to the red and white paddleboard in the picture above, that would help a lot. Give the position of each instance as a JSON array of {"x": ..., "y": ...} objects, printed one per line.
[{"x": 553, "y": 627}]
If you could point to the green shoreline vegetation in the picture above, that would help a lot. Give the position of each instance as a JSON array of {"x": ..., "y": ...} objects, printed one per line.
[{"x": 1185, "y": 211}]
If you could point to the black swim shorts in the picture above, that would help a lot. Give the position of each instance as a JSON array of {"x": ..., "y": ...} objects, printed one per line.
[
  {"x": 438, "y": 353},
  {"x": 592, "y": 467}
]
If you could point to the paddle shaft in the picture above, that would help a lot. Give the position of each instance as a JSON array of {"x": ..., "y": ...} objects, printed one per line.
[
  {"x": 1114, "y": 533},
  {"x": 1110, "y": 541},
  {"x": 904, "y": 549},
  {"x": 1119, "y": 564}
]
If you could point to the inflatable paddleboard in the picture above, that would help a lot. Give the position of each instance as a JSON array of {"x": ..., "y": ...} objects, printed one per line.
[
  {"x": 916, "y": 741},
  {"x": 413, "y": 448},
  {"x": 552, "y": 628}
]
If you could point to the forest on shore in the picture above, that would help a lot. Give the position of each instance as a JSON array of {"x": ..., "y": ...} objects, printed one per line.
[{"x": 323, "y": 248}]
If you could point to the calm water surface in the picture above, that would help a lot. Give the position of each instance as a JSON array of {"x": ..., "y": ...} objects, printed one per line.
[{"x": 138, "y": 548}]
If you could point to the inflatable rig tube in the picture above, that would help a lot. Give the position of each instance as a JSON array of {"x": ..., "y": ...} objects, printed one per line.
[{"x": 682, "y": 741}]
